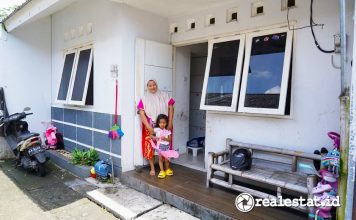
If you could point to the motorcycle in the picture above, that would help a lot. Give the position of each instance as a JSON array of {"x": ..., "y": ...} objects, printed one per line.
[{"x": 26, "y": 145}]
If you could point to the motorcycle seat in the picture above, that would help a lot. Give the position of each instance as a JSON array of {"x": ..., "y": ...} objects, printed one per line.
[{"x": 26, "y": 136}]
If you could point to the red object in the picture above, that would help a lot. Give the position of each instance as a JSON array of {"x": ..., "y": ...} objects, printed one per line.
[
  {"x": 115, "y": 118},
  {"x": 93, "y": 175}
]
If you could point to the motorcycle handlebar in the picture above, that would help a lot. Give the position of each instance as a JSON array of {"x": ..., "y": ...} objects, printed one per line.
[{"x": 15, "y": 117}]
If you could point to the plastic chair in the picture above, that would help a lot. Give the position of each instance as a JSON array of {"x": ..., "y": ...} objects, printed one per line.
[{"x": 196, "y": 144}]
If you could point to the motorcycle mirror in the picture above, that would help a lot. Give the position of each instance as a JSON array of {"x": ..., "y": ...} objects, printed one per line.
[{"x": 26, "y": 109}]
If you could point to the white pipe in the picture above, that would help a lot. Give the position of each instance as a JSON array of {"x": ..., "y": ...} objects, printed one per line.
[{"x": 352, "y": 139}]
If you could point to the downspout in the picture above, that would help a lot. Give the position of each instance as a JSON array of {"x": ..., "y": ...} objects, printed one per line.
[
  {"x": 352, "y": 141},
  {"x": 344, "y": 121}
]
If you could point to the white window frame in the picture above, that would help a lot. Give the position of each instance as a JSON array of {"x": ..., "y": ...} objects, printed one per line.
[
  {"x": 285, "y": 74},
  {"x": 76, "y": 51},
  {"x": 70, "y": 80},
  {"x": 82, "y": 101},
  {"x": 239, "y": 60}
]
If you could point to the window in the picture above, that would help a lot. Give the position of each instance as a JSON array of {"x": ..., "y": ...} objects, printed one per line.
[
  {"x": 265, "y": 74},
  {"x": 76, "y": 86},
  {"x": 222, "y": 75}
]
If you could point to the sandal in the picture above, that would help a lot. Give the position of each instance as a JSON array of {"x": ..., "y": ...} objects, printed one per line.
[
  {"x": 161, "y": 174},
  {"x": 169, "y": 172},
  {"x": 320, "y": 188}
]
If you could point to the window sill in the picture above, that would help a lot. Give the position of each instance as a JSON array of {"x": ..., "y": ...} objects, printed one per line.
[{"x": 288, "y": 117}]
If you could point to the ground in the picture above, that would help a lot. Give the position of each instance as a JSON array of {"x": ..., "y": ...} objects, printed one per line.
[
  {"x": 60, "y": 195},
  {"x": 27, "y": 196}
]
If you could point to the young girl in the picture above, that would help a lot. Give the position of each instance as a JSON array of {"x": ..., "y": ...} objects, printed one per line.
[{"x": 164, "y": 135}]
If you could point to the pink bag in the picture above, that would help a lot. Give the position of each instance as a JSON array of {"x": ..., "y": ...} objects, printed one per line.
[{"x": 166, "y": 154}]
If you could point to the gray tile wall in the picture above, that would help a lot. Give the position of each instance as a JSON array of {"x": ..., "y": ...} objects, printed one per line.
[{"x": 89, "y": 137}]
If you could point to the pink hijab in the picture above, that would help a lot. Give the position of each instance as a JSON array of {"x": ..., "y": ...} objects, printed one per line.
[{"x": 155, "y": 103}]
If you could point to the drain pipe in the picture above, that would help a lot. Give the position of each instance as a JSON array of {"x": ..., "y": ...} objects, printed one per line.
[
  {"x": 344, "y": 84},
  {"x": 352, "y": 140},
  {"x": 347, "y": 166}
]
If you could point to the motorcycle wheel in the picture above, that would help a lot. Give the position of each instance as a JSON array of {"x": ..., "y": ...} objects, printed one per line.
[{"x": 41, "y": 170}]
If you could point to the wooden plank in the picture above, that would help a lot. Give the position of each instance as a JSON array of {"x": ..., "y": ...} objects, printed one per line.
[
  {"x": 274, "y": 150},
  {"x": 252, "y": 192},
  {"x": 291, "y": 181},
  {"x": 190, "y": 184}
]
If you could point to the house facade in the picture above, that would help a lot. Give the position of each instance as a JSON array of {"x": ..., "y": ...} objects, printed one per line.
[{"x": 61, "y": 59}]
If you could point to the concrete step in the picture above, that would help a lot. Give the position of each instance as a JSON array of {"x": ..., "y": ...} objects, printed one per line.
[{"x": 164, "y": 196}]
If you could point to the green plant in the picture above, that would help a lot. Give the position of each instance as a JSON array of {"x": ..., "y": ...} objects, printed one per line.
[
  {"x": 92, "y": 157},
  {"x": 83, "y": 157}
]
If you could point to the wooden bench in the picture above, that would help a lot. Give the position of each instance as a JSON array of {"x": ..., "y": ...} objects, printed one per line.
[{"x": 278, "y": 170}]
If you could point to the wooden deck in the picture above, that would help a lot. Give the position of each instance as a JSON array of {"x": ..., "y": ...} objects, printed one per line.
[{"x": 186, "y": 190}]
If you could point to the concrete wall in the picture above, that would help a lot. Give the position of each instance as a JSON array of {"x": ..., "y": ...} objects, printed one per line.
[
  {"x": 315, "y": 83},
  {"x": 25, "y": 71},
  {"x": 114, "y": 30},
  {"x": 197, "y": 70}
]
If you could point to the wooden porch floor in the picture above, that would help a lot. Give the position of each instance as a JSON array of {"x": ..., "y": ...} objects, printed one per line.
[{"x": 189, "y": 184}]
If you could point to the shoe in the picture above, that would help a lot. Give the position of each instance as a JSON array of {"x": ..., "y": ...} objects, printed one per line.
[
  {"x": 161, "y": 174},
  {"x": 169, "y": 172},
  {"x": 323, "y": 214},
  {"x": 320, "y": 188},
  {"x": 327, "y": 176}
]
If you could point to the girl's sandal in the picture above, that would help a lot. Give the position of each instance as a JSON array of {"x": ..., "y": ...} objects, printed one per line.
[
  {"x": 161, "y": 175},
  {"x": 169, "y": 172}
]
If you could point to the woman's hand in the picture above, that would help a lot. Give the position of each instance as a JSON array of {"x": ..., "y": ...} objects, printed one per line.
[{"x": 170, "y": 126}]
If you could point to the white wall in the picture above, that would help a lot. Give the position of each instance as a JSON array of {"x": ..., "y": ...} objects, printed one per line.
[
  {"x": 181, "y": 95},
  {"x": 114, "y": 30},
  {"x": 25, "y": 71},
  {"x": 315, "y": 83}
]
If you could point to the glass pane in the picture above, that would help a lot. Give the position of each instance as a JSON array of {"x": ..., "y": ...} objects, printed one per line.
[
  {"x": 81, "y": 75},
  {"x": 265, "y": 71},
  {"x": 222, "y": 73},
  {"x": 66, "y": 74}
]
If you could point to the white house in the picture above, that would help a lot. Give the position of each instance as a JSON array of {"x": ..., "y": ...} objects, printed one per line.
[{"x": 273, "y": 87}]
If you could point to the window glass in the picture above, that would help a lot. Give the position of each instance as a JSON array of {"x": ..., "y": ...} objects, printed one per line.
[
  {"x": 265, "y": 71},
  {"x": 66, "y": 75},
  {"x": 222, "y": 72},
  {"x": 81, "y": 75}
]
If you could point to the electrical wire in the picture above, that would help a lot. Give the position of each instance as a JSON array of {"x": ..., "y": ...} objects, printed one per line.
[
  {"x": 311, "y": 25},
  {"x": 307, "y": 26},
  {"x": 312, "y": 30}
]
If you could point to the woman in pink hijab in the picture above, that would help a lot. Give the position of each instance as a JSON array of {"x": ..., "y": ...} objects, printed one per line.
[{"x": 153, "y": 103}]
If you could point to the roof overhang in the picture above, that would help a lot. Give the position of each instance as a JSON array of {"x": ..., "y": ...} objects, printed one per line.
[
  {"x": 34, "y": 10},
  {"x": 174, "y": 8}
]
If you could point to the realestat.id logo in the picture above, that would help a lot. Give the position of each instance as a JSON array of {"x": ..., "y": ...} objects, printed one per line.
[{"x": 244, "y": 202}]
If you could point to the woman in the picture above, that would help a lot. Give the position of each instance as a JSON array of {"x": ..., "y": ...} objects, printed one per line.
[{"x": 150, "y": 106}]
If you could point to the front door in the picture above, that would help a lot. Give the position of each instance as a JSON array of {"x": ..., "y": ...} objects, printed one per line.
[{"x": 153, "y": 61}]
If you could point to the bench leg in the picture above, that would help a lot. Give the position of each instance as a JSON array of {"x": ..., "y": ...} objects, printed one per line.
[
  {"x": 311, "y": 182},
  {"x": 209, "y": 170}
]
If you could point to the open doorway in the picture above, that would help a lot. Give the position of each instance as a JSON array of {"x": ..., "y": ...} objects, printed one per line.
[{"x": 189, "y": 119}]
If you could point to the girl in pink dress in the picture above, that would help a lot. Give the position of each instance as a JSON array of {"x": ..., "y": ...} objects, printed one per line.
[{"x": 163, "y": 137}]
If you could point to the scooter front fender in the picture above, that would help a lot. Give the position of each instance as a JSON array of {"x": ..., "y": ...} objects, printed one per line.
[{"x": 40, "y": 157}]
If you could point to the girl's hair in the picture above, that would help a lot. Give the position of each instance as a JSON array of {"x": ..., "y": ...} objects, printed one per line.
[{"x": 159, "y": 117}]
